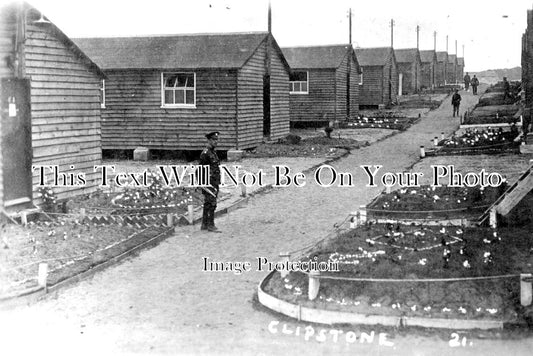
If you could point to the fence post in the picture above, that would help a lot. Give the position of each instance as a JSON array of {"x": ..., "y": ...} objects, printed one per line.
[
  {"x": 422, "y": 152},
  {"x": 314, "y": 284},
  {"x": 243, "y": 190},
  {"x": 493, "y": 219},
  {"x": 285, "y": 257},
  {"x": 526, "y": 289},
  {"x": 24, "y": 218},
  {"x": 190, "y": 213},
  {"x": 362, "y": 215},
  {"x": 170, "y": 220},
  {"x": 42, "y": 274}
]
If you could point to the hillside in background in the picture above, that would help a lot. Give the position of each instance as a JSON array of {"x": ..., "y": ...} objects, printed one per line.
[{"x": 492, "y": 76}]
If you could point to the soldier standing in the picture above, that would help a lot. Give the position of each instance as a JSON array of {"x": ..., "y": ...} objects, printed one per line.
[
  {"x": 467, "y": 81},
  {"x": 474, "y": 83},
  {"x": 209, "y": 157}
]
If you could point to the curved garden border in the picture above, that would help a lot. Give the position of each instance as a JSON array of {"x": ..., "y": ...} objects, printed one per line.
[{"x": 323, "y": 316}]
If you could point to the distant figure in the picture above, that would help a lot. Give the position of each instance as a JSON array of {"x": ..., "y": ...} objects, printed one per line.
[
  {"x": 467, "y": 81},
  {"x": 456, "y": 101},
  {"x": 474, "y": 83},
  {"x": 506, "y": 89}
]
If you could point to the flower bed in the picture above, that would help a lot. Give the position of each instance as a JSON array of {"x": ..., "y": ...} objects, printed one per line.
[
  {"x": 493, "y": 114},
  {"x": 478, "y": 141},
  {"x": 318, "y": 146},
  {"x": 394, "y": 123},
  {"x": 68, "y": 247},
  {"x": 408, "y": 254},
  {"x": 427, "y": 202},
  {"x": 73, "y": 236}
]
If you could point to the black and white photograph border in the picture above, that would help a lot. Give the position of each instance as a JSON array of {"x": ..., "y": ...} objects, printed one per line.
[{"x": 221, "y": 177}]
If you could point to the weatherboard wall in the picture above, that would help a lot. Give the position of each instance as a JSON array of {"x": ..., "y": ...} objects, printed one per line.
[
  {"x": 442, "y": 64},
  {"x": 65, "y": 102},
  {"x": 372, "y": 91},
  {"x": 250, "y": 98},
  {"x": 134, "y": 116},
  {"x": 427, "y": 74},
  {"x": 451, "y": 69},
  {"x": 65, "y": 107},
  {"x": 319, "y": 104}
]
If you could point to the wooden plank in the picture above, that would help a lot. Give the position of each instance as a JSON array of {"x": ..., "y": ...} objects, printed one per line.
[{"x": 515, "y": 196}]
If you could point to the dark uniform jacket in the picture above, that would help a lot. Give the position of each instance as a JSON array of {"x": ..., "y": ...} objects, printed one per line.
[
  {"x": 209, "y": 157},
  {"x": 456, "y": 99}
]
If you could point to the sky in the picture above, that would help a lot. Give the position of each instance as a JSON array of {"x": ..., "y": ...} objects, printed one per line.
[{"x": 490, "y": 31}]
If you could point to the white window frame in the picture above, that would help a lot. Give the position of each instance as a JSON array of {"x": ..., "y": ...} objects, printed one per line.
[
  {"x": 300, "y": 92},
  {"x": 361, "y": 76},
  {"x": 165, "y": 105},
  {"x": 102, "y": 92}
]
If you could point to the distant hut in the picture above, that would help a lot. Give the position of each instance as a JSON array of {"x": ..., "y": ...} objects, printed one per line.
[
  {"x": 50, "y": 109},
  {"x": 451, "y": 69},
  {"x": 166, "y": 92},
  {"x": 460, "y": 69},
  {"x": 379, "y": 77},
  {"x": 429, "y": 69},
  {"x": 324, "y": 83},
  {"x": 409, "y": 64},
  {"x": 442, "y": 65}
]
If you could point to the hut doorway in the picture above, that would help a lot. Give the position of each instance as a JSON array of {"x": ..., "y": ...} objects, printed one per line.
[
  {"x": 266, "y": 105},
  {"x": 16, "y": 142}
]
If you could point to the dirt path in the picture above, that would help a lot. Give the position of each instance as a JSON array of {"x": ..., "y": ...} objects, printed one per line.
[{"x": 162, "y": 302}]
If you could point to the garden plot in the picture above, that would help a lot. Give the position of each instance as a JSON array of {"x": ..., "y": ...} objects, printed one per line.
[
  {"x": 75, "y": 236},
  {"x": 432, "y": 203},
  {"x": 430, "y": 101},
  {"x": 416, "y": 271},
  {"x": 395, "y": 120},
  {"x": 494, "y": 115},
  {"x": 478, "y": 141}
]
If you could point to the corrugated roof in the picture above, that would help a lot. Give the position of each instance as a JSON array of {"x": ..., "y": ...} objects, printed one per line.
[
  {"x": 189, "y": 51},
  {"x": 427, "y": 56},
  {"x": 451, "y": 58},
  {"x": 406, "y": 55},
  {"x": 442, "y": 56},
  {"x": 315, "y": 56},
  {"x": 376, "y": 56}
]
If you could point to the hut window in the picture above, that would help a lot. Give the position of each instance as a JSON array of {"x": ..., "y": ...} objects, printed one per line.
[
  {"x": 299, "y": 83},
  {"x": 361, "y": 77},
  {"x": 178, "y": 89},
  {"x": 102, "y": 94}
]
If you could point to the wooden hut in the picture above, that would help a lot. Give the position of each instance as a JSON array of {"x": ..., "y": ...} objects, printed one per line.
[
  {"x": 451, "y": 69},
  {"x": 50, "y": 110},
  {"x": 409, "y": 64},
  {"x": 428, "y": 70},
  {"x": 379, "y": 77},
  {"x": 442, "y": 65},
  {"x": 324, "y": 83},
  {"x": 460, "y": 69},
  {"x": 166, "y": 92}
]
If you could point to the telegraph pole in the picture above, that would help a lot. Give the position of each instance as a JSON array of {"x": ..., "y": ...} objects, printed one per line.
[
  {"x": 350, "y": 25},
  {"x": 435, "y": 41},
  {"x": 392, "y": 33},
  {"x": 417, "y": 37}
]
